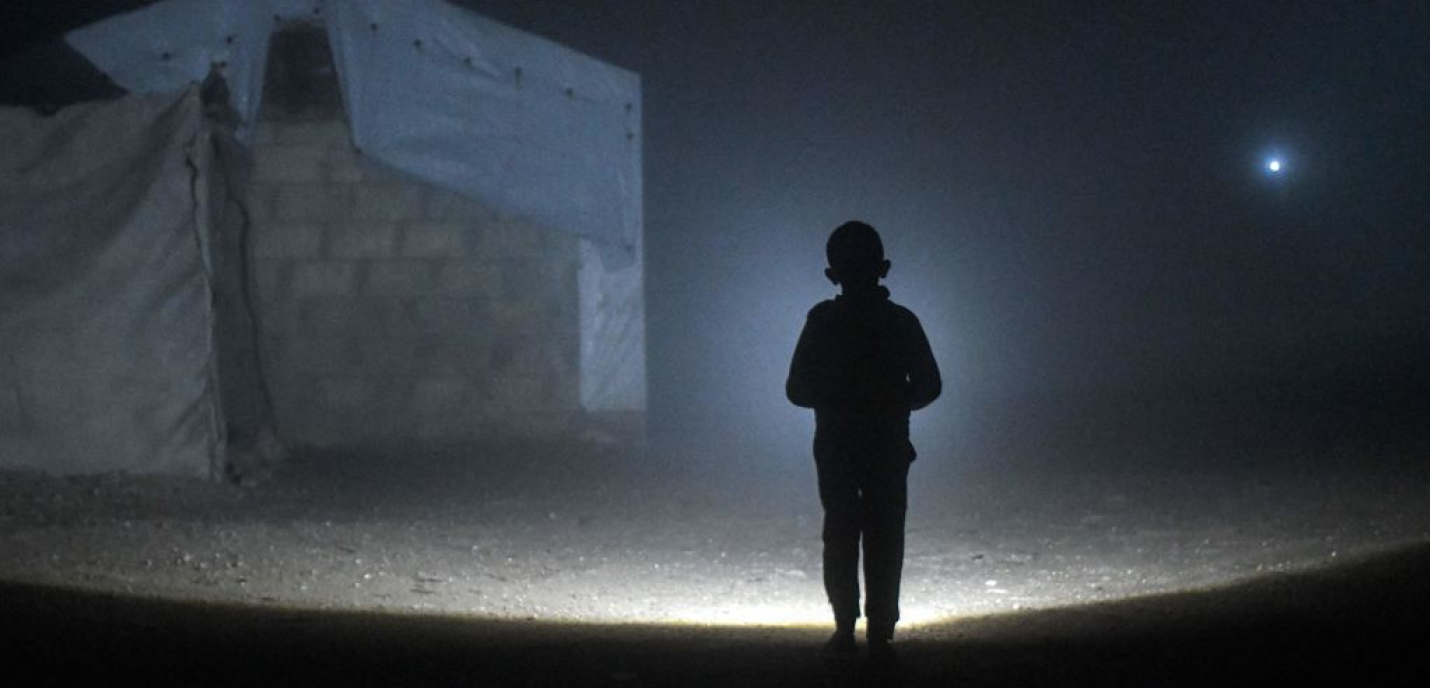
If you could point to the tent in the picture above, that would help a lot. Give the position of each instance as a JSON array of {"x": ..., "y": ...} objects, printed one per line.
[{"x": 132, "y": 341}]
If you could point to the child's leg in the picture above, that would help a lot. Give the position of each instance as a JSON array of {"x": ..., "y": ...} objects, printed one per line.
[
  {"x": 839, "y": 494},
  {"x": 885, "y": 503}
]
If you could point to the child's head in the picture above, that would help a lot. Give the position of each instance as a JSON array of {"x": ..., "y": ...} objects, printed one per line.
[{"x": 856, "y": 256}]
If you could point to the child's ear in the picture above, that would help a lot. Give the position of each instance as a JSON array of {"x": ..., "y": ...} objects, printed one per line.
[
  {"x": 884, "y": 269},
  {"x": 832, "y": 275}
]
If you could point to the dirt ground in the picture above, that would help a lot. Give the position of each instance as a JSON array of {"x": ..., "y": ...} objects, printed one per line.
[{"x": 577, "y": 566}]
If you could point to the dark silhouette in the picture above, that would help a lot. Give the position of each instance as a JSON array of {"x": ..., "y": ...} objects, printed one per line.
[{"x": 863, "y": 364}]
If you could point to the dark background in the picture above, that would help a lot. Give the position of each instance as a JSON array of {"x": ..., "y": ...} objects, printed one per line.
[{"x": 1075, "y": 200}]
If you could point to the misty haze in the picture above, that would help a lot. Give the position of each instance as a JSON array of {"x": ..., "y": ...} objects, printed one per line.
[{"x": 447, "y": 342}]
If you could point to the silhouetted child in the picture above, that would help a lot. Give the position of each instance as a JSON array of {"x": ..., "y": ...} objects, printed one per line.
[{"x": 863, "y": 364}]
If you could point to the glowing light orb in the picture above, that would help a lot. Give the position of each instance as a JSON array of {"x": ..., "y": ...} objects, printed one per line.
[{"x": 1273, "y": 165}]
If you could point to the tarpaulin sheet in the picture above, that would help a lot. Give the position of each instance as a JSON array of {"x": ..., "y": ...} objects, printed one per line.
[
  {"x": 525, "y": 126},
  {"x": 105, "y": 321},
  {"x": 512, "y": 120},
  {"x": 613, "y": 372},
  {"x": 166, "y": 46},
  {"x": 520, "y": 124}
]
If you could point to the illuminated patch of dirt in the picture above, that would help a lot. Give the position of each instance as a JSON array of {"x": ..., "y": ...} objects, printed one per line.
[{"x": 577, "y": 534}]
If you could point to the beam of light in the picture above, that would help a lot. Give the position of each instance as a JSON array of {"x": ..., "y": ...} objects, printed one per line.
[
  {"x": 779, "y": 614},
  {"x": 700, "y": 599},
  {"x": 605, "y": 580},
  {"x": 693, "y": 558},
  {"x": 749, "y": 614}
]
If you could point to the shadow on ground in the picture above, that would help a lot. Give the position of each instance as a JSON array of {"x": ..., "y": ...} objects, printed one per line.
[{"x": 1361, "y": 622}]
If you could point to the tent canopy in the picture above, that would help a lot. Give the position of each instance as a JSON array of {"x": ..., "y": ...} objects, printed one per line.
[
  {"x": 106, "y": 318},
  {"x": 519, "y": 123},
  {"x": 111, "y": 351}
]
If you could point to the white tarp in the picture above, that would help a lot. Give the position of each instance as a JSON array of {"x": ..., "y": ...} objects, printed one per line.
[
  {"x": 520, "y": 123},
  {"x": 165, "y": 47},
  {"x": 613, "y": 372},
  {"x": 523, "y": 125},
  {"x": 106, "y": 325}
]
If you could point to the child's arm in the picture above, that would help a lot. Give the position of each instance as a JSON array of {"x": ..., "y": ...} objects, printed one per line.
[
  {"x": 802, "y": 384},
  {"x": 925, "y": 383}
]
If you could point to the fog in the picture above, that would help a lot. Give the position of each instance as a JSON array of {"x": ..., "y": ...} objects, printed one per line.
[
  {"x": 1183, "y": 413},
  {"x": 1077, "y": 205}
]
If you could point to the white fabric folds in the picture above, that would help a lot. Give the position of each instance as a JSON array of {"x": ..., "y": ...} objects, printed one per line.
[
  {"x": 525, "y": 126},
  {"x": 106, "y": 322}
]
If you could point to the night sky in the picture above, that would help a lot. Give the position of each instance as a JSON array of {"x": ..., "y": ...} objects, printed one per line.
[{"x": 1075, "y": 198}]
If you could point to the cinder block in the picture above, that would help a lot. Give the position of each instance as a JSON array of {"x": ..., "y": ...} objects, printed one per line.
[
  {"x": 338, "y": 318},
  {"x": 434, "y": 240},
  {"x": 265, "y": 133},
  {"x": 324, "y": 278},
  {"x": 516, "y": 394},
  {"x": 508, "y": 338},
  {"x": 468, "y": 278},
  {"x": 462, "y": 424},
  {"x": 346, "y": 166},
  {"x": 388, "y": 201},
  {"x": 268, "y": 279},
  {"x": 360, "y": 316},
  {"x": 298, "y": 355},
  {"x": 362, "y": 239},
  {"x": 506, "y": 239},
  {"x": 288, "y": 240},
  {"x": 314, "y": 202},
  {"x": 280, "y": 316},
  {"x": 446, "y": 318},
  {"x": 324, "y": 133},
  {"x": 566, "y": 389},
  {"x": 392, "y": 353},
  {"x": 522, "y": 279},
  {"x": 545, "y": 424},
  {"x": 468, "y": 353},
  {"x": 345, "y": 392},
  {"x": 555, "y": 306},
  {"x": 262, "y": 202},
  {"x": 407, "y": 277},
  {"x": 285, "y": 164},
  {"x": 445, "y": 205},
  {"x": 294, "y": 395},
  {"x": 436, "y": 396},
  {"x": 538, "y": 359}
]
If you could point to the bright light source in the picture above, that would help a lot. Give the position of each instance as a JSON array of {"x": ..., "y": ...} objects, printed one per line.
[
  {"x": 745, "y": 613},
  {"x": 1274, "y": 165}
]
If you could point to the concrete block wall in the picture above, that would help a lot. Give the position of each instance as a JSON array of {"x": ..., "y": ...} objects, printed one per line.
[{"x": 393, "y": 311}]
